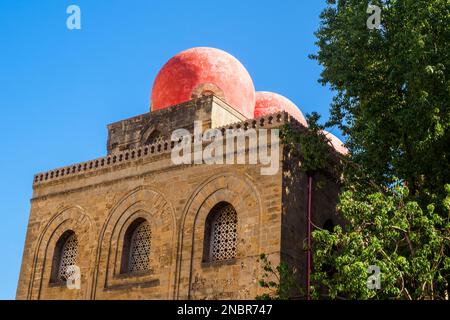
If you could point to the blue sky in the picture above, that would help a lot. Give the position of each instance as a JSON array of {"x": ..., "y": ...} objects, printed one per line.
[{"x": 60, "y": 88}]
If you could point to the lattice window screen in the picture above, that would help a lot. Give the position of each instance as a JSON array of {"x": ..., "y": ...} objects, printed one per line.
[
  {"x": 69, "y": 254},
  {"x": 224, "y": 233},
  {"x": 140, "y": 248},
  {"x": 155, "y": 137}
]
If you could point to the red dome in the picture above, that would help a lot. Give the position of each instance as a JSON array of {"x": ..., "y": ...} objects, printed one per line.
[
  {"x": 202, "y": 71},
  {"x": 337, "y": 144},
  {"x": 269, "y": 102}
]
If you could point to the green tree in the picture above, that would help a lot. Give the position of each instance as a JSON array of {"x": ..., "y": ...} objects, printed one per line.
[
  {"x": 392, "y": 89},
  {"x": 389, "y": 231},
  {"x": 392, "y": 102}
]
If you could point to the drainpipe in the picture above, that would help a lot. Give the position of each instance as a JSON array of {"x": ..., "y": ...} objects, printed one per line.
[{"x": 308, "y": 233}]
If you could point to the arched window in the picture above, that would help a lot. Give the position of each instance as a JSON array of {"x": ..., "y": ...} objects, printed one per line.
[
  {"x": 65, "y": 256},
  {"x": 220, "y": 233},
  {"x": 136, "y": 251},
  {"x": 155, "y": 137}
]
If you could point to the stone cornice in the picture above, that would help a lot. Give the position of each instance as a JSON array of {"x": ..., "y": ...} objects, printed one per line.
[{"x": 115, "y": 159}]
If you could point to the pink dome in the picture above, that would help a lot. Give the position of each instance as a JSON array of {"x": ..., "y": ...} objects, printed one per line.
[
  {"x": 337, "y": 144},
  {"x": 269, "y": 102},
  {"x": 202, "y": 71}
]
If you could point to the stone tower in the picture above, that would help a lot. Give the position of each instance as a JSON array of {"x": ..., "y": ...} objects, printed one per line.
[{"x": 136, "y": 225}]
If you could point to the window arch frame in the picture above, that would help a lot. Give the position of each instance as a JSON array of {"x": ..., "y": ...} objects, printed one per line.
[
  {"x": 60, "y": 246},
  {"x": 127, "y": 250},
  {"x": 209, "y": 238}
]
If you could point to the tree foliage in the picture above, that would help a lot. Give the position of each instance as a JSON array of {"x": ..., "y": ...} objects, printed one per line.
[
  {"x": 389, "y": 231},
  {"x": 392, "y": 101},
  {"x": 310, "y": 145},
  {"x": 392, "y": 89},
  {"x": 280, "y": 281}
]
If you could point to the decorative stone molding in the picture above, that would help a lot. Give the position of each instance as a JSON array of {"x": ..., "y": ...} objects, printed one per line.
[
  {"x": 71, "y": 218},
  {"x": 268, "y": 122},
  {"x": 241, "y": 193},
  {"x": 151, "y": 205}
]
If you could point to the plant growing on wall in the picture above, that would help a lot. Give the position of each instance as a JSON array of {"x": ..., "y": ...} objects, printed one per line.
[{"x": 280, "y": 281}]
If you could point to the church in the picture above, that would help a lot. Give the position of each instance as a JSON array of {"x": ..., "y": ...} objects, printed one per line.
[{"x": 136, "y": 225}]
